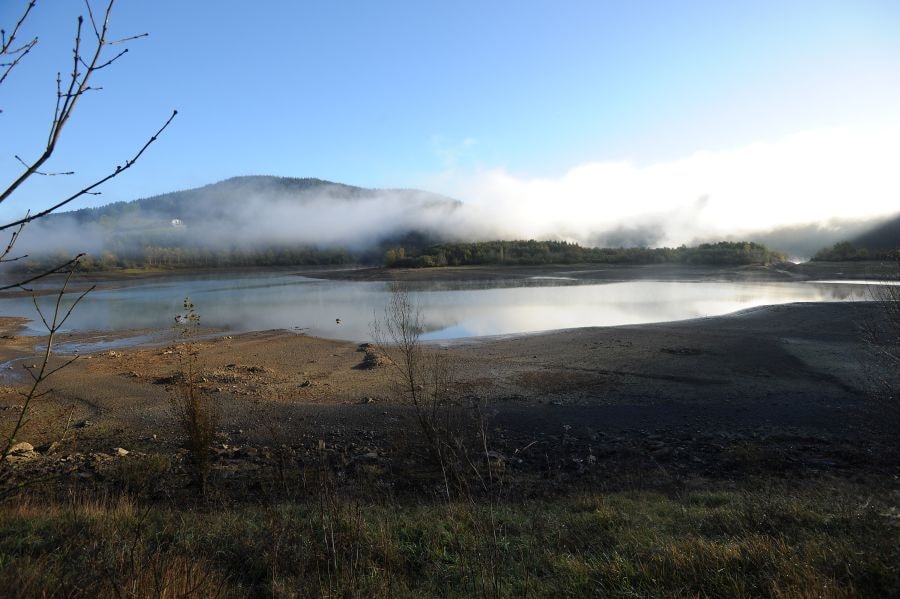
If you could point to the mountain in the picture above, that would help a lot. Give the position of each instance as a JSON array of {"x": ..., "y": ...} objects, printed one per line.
[
  {"x": 246, "y": 216},
  {"x": 878, "y": 242},
  {"x": 224, "y": 199},
  {"x": 803, "y": 241},
  {"x": 885, "y": 236}
]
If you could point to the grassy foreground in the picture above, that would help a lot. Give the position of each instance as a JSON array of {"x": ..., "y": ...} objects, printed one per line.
[{"x": 827, "y": 538}]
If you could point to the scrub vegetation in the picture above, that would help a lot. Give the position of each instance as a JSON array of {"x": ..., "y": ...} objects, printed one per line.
[
  {"x": 847, "y": 251},
  {"x": 816, "y": 539}
]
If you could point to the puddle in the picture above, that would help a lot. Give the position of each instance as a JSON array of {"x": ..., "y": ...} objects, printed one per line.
[
  {"x": 107, "y": 343},
  {"x": 12, "y": 373}
]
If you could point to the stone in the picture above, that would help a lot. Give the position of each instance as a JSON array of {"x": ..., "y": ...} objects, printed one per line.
[
  {"x": 121, "y": 452},
  {"x": 48, "y": 447},
  {"x": 22, "y": 447}
]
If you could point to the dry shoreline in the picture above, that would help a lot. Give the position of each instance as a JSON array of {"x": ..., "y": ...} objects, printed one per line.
[
  {"x": 806, "y": 271},
  {"x": 683, "y": 398},
  {"x": 774, "y": 371}
]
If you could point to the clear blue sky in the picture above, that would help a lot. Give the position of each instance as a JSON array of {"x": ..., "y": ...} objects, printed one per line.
[{"x": 392, "y": 94}]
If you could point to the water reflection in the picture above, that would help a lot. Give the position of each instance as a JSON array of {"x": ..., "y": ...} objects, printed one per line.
[{"x": 450, "y": 309}]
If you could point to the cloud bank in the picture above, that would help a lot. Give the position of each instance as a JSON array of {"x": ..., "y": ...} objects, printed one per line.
[
  {"x": 797, "y": 194},
  {"x": 821, "y": 178}
]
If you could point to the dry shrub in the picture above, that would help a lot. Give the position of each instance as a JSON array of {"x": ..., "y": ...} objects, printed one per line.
[
  {"x": 882, "y": 336},
  {"x": 453, "y": 431},
  {"x": 195, "y": 411}
]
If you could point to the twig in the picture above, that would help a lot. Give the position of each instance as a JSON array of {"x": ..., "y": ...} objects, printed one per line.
[
  {"x": 55, "y": 270},
  {"x": 44, "y": 371},
  {"x": 78, "y": 84},
  {"x": 42, "y": 173},
  {"x": 87, "y": 190},
  {"x": 6, "y": 44}
]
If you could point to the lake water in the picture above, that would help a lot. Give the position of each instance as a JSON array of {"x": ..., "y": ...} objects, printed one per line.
[{"x": 253, "y": 302}]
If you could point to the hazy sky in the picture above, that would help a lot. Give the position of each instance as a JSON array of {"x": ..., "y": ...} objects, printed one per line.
[{"x": 616, "y": 110}]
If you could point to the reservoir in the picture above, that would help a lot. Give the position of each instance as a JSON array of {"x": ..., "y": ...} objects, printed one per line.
[{"x": 450, "y": 310}]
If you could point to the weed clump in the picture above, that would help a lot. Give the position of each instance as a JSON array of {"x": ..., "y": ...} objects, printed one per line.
[{"x": 195, "y": 411}]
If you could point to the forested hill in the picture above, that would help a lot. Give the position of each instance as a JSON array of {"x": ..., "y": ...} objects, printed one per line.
[
  {"x": 879, "y": 243},
  {"x": 273, "y": 221},
  {"x": 242, "y": 221},
  {"x": 225, "y": 198}
]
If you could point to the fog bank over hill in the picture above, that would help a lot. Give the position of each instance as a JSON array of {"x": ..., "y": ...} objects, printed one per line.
[
  {"x": 259, "y": 213},
  {"x": 803, "y": 241},
  {"x": 246, "y": 212},
  {"x": 797, "y": 193}
]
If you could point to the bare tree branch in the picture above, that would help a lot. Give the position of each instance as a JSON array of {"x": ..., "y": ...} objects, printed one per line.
[
  {"x": 85, "y": 62},
  {"x": 93, "y": 21},
  {"x": 7, "y": 48},
  {"x": 52, "y": 271},
  {"x": 127, "y": 39},
  {"x": 78, "y": 84},
  {"x": 12, "y": 242},
  {"x": 43, "y": 370},
  {"x": 7, "y": 42},
  {"x": 19, "y": 53},
  {"x": 89, "y": 189},
  {"x": 42, "y": 173}
]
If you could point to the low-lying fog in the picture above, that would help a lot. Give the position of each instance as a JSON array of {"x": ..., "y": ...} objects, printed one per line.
[{"x": 797, "y": 194}]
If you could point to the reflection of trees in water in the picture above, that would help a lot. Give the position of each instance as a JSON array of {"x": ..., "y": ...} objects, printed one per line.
[
  {"x": 467, "y": 307},
  {"x": 476, "y": 285},
  {"x": 843, "y": 294}
]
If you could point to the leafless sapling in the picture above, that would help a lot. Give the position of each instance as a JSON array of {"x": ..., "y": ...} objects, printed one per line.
[{"x": 93, "y": 50}]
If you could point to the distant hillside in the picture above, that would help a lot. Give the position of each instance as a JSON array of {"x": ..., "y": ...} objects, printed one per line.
[
  {"x": 245, "y": 220},
  {"x": 885, "y": 236},
  {"x": 223, "y": 199},
  {"x": 877, "y": 243}
]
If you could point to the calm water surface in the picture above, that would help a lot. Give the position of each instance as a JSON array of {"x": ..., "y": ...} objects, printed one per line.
[{"x": 253, "y": 302}]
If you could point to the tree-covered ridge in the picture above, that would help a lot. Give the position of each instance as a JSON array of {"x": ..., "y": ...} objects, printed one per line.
[
  {"x": 218, "y": 200},
  {"x": 418, "y": 250},
  {"x": 531, "y": 252},
  {"x": 847, "y": 251}
]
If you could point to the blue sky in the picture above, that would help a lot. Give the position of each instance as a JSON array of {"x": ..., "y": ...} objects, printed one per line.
[{"x": 452, "y": 96}]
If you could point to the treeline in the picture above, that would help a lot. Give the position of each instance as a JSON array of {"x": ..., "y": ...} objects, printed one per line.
[
  {"x": 151, "y": 251},
  {"x": 186, "y": 257},
  {"x": 533, "y": 252},
  {"x": 846, "y": 251},
  {"x": 412, "y": 250}
]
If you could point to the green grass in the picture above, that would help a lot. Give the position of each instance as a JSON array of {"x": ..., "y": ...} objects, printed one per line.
[{"x": 823, "y": 541}]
